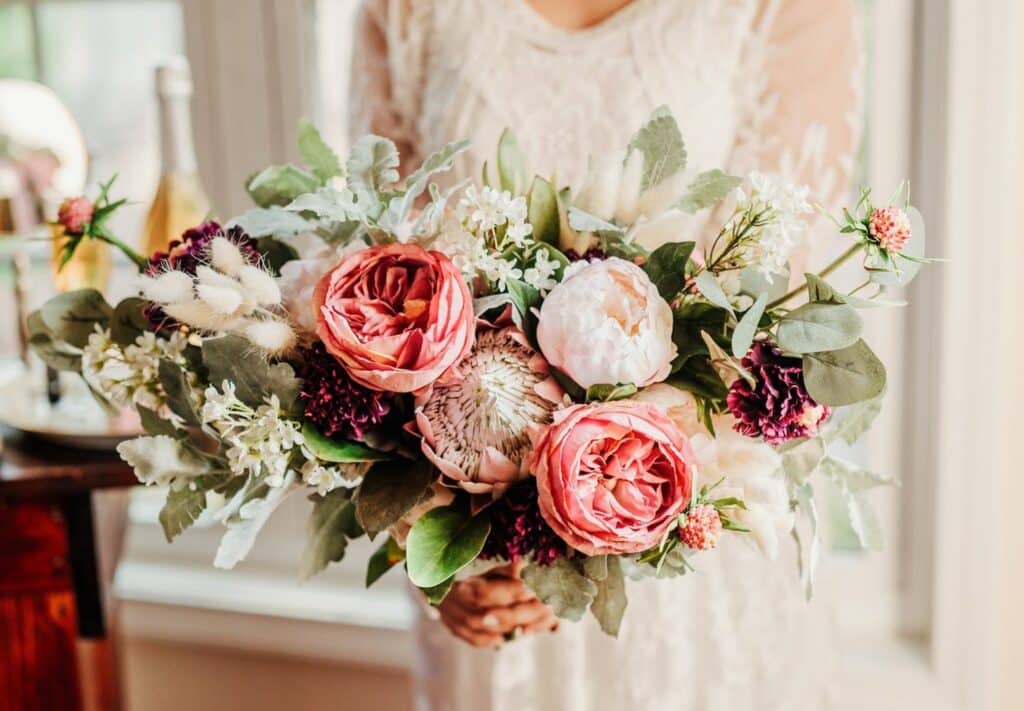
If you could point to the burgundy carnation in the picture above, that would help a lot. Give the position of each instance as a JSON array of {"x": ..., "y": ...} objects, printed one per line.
[
  {"x": 518, "y": 529},
  {"x": 334, "y": 402},
  {"x": 777, "y": 407},
  {"x": 593, "y": 253}
]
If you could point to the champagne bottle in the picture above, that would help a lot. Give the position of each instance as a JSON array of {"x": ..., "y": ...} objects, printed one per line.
[{"x": 180, "y": 202}]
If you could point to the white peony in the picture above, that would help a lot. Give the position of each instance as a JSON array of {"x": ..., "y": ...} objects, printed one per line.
[
  {"x": 606, "y": 323},
  {"x": 748, "y": 468}
]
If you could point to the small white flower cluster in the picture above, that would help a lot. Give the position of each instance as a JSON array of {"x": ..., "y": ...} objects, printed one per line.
[
  {"x": 129, "y": 374},
  {"x": 228, "y": 295},
  {"x": 469, "y": 238},
  {"x": 786, "y": 203},
  {"x": 260, "y": 442},
  {"x": 489, "y": 208}
]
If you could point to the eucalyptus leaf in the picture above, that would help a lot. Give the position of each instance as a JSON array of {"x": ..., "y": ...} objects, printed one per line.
[
  {"x": 273, "y": 221},
  {"x": 610, "y": 601},
  {"x": 279, "y": 185},
  {"x": 746, "y": 329},
  {"x": 661, "y": 144},
  {"x": 708, "y": 189},
  {"x": 562, "y": 586},
  {"x": 338, "y": 451},
  {"x": 332, "y": 519},
  {"x": 372, "y": 163},
  {"x": 73, "y": 316},
  {"x": 844, "y": 377},
  {"x": 319, "y": 156},
  {"x": 234, "y": 359},
  {"x": 712, "y": 290},
  {"x": 390, "y": 490},
  {"x": 666, "y": 267},
  {"x": 128, "y": 321},
  {"x": 512, "y": 174},
  {"x": 542, "y": 211},
  {"x": 178, "y": 392},
  {"x": 442, "y": 542},
  {"x": 814, "y": 328}
]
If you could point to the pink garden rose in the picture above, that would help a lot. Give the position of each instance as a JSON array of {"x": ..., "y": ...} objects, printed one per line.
[
  {"x": 612, "y": 476},
  {"x": 396, "y": 316}
]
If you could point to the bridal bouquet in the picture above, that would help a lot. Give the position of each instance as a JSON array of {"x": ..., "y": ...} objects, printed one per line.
[{"x": 496, "y": 373}]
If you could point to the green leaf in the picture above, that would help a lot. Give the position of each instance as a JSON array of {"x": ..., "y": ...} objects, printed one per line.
[
  {"x": 372, "y": 163},
  {"x": 390, "y": 489},
  {"x": 708, "y": 189},
  {"x": 386, "y": 557},
  {"x": 542, "y": 206},
  {"x": 153, "y": 424},
  {"x": 849, "y": 423},
  {"x": 712, "y": 290},
  {"x": 330, "y": 523},
  {"x": 72, "y": 317},
  {"x": 661, "y": 144},
  {"x": 128, "y": 321},
  {"x": 442, "y": 542},
  {"x": 562, "y": 586},
  {"x": 605, "y": 392},
  {"x": 609, "y": 603},
  {"x": 279, "y": 185},
  {"x": 435, "y": 595},
  {"x": 585, "y": 222},
  {"x": 844, "y": 377},
  {"x": 338, "y": 451},
  {"x": 177, "y": 392},
  {"x": 234, "y": 359},
  {"x": 814, "y": 328},
  {"x": 667, "y": 267},
  {"x": 512, "y": 174},
  {"x": 273, "y": 221},
  {"x": 746, "y": 329},
  {"x": 319, "y": 156}
]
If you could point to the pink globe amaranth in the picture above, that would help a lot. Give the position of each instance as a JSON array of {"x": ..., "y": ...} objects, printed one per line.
[
  {"x": 74, "y": 213},
  {"x": 890, "y": 227},
  {"x": 612, "y": 477},
  {"x": 396, "y": 316}
]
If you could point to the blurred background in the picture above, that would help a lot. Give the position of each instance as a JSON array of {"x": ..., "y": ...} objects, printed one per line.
[{"x": 929, "y": 622}]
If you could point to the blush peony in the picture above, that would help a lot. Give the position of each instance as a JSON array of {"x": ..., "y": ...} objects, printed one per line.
[
  {"x": 606, "y": 323},
  {"x": 612, "y": 477},
  {"x": 396, "y": 316}
]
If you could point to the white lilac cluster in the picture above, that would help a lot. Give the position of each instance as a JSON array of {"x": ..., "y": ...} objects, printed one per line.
[
  {"x": 261, "y": 442},
  {"x": 227, "y": 295},
  {"x": 487, "y": 224},
  {"x": 785, "y": 203},
  {"x": 128, "y": 375}
]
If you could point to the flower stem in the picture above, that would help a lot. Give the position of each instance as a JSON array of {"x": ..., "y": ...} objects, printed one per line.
[{"x": 838, "y": 262}]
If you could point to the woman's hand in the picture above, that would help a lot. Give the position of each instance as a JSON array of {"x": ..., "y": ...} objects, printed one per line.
[{"x": 484, "y": 610}]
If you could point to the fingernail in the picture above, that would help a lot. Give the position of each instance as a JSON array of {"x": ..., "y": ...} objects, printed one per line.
[{"x": 490, "y": 621}]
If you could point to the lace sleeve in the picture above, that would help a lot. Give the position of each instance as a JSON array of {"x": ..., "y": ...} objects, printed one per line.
[
  {"x": 384, "y": 90},
  {"x": 802, "y": 111}
]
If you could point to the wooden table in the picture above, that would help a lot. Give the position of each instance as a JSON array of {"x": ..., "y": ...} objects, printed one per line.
[{"x": 54, "y": 649}]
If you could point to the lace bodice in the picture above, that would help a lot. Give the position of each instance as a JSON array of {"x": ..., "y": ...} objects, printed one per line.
[{"x": 771, "y": 85}]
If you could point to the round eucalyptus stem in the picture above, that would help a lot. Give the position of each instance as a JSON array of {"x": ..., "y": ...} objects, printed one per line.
[{"x": 838, "y": 262}]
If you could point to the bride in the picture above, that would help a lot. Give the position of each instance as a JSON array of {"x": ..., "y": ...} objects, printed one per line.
[{"x": 768, "y": 85}]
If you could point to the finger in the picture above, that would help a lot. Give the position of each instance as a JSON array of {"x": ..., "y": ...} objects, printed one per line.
[{"x": 499, "y": 592}]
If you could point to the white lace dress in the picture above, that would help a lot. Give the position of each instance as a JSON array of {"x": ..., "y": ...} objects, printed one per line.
[{"x": 755, "y": 84}]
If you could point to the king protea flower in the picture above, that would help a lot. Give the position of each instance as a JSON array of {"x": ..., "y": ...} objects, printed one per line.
[{"x": 475, "y": 427}]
